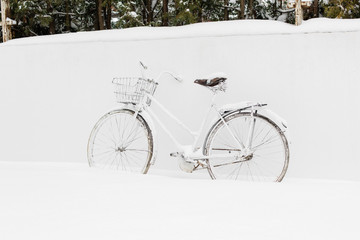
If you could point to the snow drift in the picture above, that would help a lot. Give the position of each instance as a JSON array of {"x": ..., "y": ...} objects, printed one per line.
[
  {"x": 54, "y": 88},
  {"x": 70, "y": 201}
]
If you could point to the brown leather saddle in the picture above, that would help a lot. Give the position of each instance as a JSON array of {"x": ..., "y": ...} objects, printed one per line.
[{"x": 213, "y": 82}]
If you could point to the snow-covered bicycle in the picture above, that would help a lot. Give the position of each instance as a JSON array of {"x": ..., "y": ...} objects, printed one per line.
[{"x": 246, "y": 142}]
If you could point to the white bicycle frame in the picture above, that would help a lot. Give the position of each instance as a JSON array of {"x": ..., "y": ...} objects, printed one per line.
[{"x": 190, "y": 151}]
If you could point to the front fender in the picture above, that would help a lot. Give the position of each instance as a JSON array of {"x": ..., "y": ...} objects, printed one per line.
[{"x": 148, "y": 120}]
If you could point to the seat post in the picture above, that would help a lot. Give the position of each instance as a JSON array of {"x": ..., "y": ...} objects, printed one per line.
[
  {"x": 213, "y": 97},
  {"x": 220, "y": 87}
]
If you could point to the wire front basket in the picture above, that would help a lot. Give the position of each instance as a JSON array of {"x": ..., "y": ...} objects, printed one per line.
[{"x": 134, "y": 89}]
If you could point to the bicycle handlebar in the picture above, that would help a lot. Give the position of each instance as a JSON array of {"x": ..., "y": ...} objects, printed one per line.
[
  {"x": 144, "y": 67},
  {"x": 177, "y": 78}
]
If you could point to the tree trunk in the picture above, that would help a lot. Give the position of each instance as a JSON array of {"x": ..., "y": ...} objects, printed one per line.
[
  {"x": 200, "y": 13},
  {"x": 275, "y": 6},
  {"x": 226, "y": 10},
  {"x": 5, "y": 13},
  {"x": 96, "y": 19},
  {"x": 316, "y": 8},
  {"x": 251, "y": 9},
  {"x": 52, "y": 27},
  {"x": 165, "y": 12},
  {"x": 143, "y": 11},
  {"x": 50, "y": 10},
  {"x": 67, "y": 17},
  {"x": 100, "y": 18},
  {"x": 241, "y": 14},
  {"x": 149, "y": 12},
  {"x": 108, "y": 15},
  {"x": 176, "y": 6},
  {"x": 298, "y": 13}
]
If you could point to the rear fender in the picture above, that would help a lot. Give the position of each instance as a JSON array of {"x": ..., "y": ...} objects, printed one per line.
[{"x": 261, "y": 108}]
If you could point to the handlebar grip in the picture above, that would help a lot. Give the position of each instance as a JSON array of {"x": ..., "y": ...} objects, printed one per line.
[{"x": 179, "y": 79}]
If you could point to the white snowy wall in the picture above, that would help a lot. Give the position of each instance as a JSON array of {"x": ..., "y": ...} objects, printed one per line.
[{"x": 53, "y": 89}]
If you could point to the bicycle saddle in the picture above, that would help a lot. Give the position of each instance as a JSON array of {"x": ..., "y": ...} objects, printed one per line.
[{"x": 212, "y": 82}]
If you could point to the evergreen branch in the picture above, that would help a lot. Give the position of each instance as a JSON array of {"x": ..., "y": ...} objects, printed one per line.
[
  {"x": 32, "y": 32},
  {"x": 285, "y": 10},
  {"x": 63, "y": 13},
  {"x": 228, "y": 7},
  {"x": 157, "y": 1},
  {"x": 160, "y": 11},
  {"x": 146, "y": 10}
]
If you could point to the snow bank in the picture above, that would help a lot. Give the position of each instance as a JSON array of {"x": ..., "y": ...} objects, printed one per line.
[
  {"x": 211, "y": 29},
  {"x": 308, "y": 75}
]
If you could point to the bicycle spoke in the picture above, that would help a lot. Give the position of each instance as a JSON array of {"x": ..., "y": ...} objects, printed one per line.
[
  {"x": 270, "y": 140},
  {"x": 237, "y": 172},
  {"x": 137, "y": 150},
  {"x": 105, "y": 137},
  {"x": 101, "y": 153}
]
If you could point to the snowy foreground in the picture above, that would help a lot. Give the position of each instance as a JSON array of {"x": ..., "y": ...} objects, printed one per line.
[{"x": 71, "y": 201}]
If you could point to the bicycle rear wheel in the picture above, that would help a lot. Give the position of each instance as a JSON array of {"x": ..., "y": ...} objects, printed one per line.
[
  {"x": 122, "y": 142},
  {"x": 265, "y": 160}
]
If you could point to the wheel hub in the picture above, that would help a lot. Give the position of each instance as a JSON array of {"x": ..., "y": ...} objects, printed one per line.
[
  {"x": 247, "y": 155},
  {"x": 120, "y": 149}
]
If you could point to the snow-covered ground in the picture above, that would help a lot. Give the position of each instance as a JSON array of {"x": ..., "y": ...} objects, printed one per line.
[
  {"x": 54, "y": 88},
  {"x": 71, "y": 201}
]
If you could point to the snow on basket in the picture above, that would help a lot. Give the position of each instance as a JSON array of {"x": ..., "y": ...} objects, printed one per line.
[{"x": 133, "y": 89}]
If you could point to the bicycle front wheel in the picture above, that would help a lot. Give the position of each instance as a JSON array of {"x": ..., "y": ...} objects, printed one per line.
[
  {"x": 265, "y": 159},
  {"x": 121, "y": 141}
]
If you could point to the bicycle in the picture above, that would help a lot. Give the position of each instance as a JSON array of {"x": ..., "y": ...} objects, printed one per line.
[{"x": 246, "y": 142}]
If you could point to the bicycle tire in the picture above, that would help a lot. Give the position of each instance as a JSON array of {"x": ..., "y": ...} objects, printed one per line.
[
  {"x": 122, "y": 142},
  {"x": 257, "y": 168}
]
